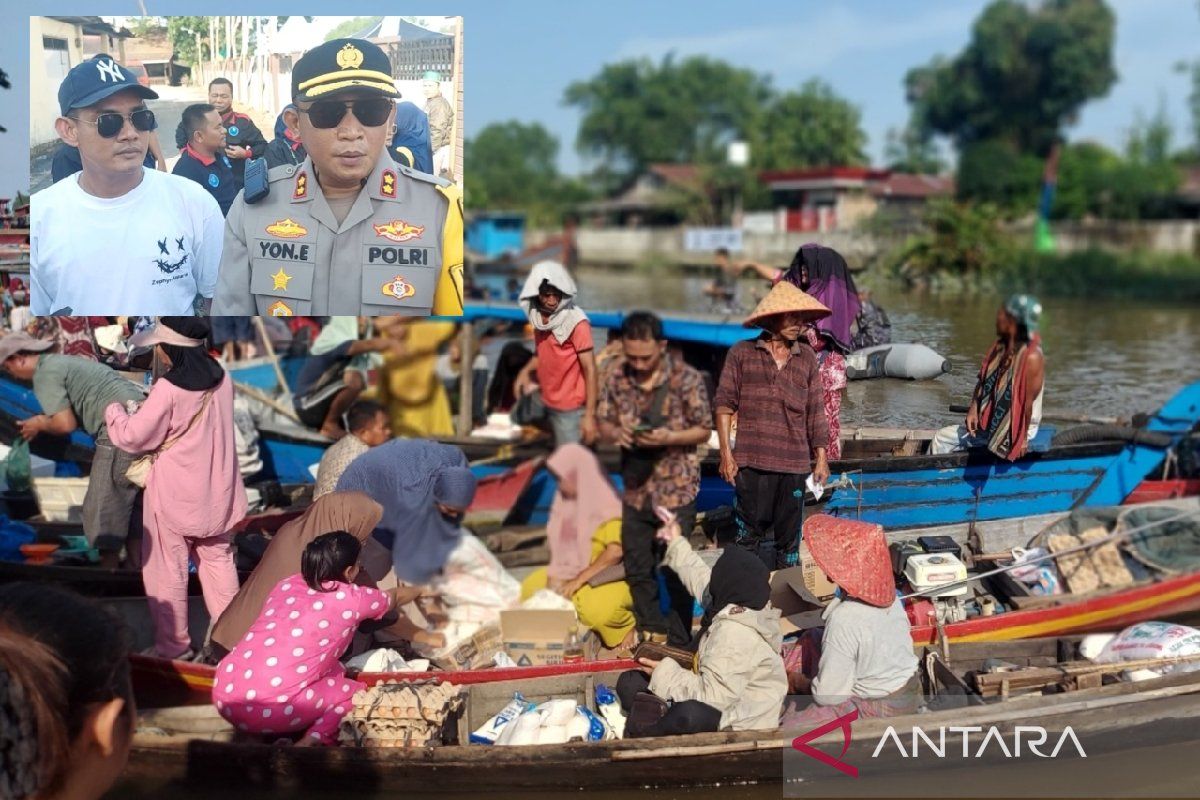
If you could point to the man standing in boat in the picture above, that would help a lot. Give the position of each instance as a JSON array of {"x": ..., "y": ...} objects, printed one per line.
[
  {"x": 773, "y": 385},
  {"x": 1006, "y": 406},
  {"x": 656, "y": 409},
  {"x": 73, "y": 393}
]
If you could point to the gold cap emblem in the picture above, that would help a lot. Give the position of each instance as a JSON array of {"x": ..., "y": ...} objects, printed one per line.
[{"x": 349, "y": 57}]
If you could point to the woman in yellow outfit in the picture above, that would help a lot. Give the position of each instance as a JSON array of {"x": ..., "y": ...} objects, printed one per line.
[
  {"x": 414, "y": 396},
  {"x": 584, "y": 534}
]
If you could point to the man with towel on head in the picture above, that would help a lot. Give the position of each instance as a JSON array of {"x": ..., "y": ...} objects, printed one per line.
[{"x": 565, "y": 360}]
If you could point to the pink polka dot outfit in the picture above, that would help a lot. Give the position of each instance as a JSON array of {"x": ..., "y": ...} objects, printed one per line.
[{"x": 284, "y": 675}]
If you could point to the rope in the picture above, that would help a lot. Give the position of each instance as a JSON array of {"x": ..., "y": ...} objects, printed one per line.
[{"x": 1115, "y": 535}]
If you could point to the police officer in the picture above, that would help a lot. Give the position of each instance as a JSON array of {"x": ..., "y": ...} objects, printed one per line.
[{"x": 348, "y": 231}]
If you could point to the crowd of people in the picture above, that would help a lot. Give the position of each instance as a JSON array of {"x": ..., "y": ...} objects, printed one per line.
[{"x": 242, "y": 225}]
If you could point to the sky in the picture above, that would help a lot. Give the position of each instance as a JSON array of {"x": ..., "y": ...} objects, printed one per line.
[{"x": 521, "y": 54}]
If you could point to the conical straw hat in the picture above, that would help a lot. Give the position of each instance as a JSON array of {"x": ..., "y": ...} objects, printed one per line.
[
  {"x": 782, "y": 299},
  {"x": 854, "y": 555}
]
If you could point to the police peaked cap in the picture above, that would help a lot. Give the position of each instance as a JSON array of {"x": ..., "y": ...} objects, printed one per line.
[{"x": 342, "y": 64}]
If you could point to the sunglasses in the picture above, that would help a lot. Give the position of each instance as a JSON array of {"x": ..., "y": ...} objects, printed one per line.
[
  {"x": 330, "y": 113},
  {"x": 110, "y": 123}
]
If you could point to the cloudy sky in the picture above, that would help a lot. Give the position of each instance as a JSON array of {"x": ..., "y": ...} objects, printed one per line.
[{"x": 520, "y": 55}]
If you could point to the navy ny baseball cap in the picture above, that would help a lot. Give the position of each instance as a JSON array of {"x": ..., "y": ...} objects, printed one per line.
[{"x": 95, "y": 79}]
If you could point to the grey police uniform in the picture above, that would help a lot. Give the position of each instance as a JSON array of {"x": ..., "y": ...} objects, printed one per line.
[{"x": 287, "y": 255}]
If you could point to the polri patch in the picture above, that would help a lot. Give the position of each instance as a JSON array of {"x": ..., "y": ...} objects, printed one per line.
[
  {"x": 280, "y": 309},
  {"x": 286, "y": 229},
  {"x": 398, "y": 230},
  {"x": 398, "y": 288}
]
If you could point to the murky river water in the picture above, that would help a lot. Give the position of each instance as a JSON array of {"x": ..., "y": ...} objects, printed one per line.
[{"x": 1104, "y": 357}]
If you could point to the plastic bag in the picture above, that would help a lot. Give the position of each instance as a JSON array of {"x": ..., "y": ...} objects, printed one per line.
[{"x": 18, "y": 467}]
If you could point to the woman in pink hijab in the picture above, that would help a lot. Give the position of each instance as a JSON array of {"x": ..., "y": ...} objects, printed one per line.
[{"x": 584, "y": 535}]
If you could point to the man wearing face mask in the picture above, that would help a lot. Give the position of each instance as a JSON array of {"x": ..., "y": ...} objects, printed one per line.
[
  {"x": 348, "y": 231},
  {"x": 773, "y": 385},
  {"x": 118, "y": 237}
]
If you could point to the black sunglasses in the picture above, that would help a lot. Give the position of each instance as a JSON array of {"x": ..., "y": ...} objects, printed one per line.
[
  {"x": 329, "y": 113},
  {"x": 110, "y": 123}
]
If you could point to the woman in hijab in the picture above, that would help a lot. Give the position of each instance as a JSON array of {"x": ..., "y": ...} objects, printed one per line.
[
  {"x": 501, "y": 396},
  {"x": 737, "y": 681},
  {"x": 824, "y": 274},
  {"x": 353, "y": 512},
  {"x": 425, "y": 489},
  {"x": 194, "y": 493},
  {"x": 412, "y": 138},
  {"x": 584, "y": 534}
]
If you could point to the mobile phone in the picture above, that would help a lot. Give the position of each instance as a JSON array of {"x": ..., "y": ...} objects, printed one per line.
[
  {"x": 256, "y": 186},
  {"x": 642, "y": 427}
]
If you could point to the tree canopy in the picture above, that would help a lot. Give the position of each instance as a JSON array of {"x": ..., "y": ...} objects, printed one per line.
[
  {"x": 812, "y": 127},
  {"x": 1025, "y": 72},
  {"x": 512, "y": 166}
]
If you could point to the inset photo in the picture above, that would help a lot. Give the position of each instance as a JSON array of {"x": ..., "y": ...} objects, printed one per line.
[{"x": 246, "y": 165}]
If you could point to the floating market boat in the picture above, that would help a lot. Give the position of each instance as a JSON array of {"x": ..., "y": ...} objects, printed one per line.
[{"x": 197, "y": 746}]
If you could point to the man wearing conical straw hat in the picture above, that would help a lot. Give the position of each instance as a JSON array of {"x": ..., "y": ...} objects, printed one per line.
[{"x": 773, "y": 384}]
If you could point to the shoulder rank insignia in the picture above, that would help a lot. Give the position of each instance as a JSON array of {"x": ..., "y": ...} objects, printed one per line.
[
  {"x": 398, "y": 288},
  {"x": 286, "y": 229},
  {"x": 349, "y": 57},
  {"x": 387, "y": 185},
  {"x": 280, "y": 309},
  {"x": 301, "y": 186},
  {"x": 398, "y": 230}
]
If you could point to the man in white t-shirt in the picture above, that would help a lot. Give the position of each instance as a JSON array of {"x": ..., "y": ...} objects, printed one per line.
[{"x": 118, "y": 238}]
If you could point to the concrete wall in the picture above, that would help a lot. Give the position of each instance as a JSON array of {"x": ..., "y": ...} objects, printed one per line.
[
  {"x": 619, "y": 246},
  {"x": 43, "y": 90},
  {"x": 1167, "y": 236}
]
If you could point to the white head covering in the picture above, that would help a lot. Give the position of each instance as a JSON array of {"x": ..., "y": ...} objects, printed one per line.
[{"x": 564, "y": 319}]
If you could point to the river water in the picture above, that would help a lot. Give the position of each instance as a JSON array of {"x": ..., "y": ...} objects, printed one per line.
[{"x": 1106, "y": 358}]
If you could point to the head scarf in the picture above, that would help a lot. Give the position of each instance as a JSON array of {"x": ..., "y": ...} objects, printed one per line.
[
  {"x": 412, "y": 131},
  {"x": 739, "y": 578},
  {"x": 1026, "y": 310},
  {"x": 353, "y": 512},
  {"x": 513, "y": 358},
  {"x": 401, "y": 475},
  {"x": 564, "y": 319},
  {"x": 192, "y": 368},
  {"x": 574, "y": 520},
  {"x": 830, "y": 282}
]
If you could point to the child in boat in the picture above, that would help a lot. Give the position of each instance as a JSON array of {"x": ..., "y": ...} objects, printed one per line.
[
  {"x": 284, "y": 676},
  {"x": 738, "y": 682},
  {"x": 867, "y": 661}
]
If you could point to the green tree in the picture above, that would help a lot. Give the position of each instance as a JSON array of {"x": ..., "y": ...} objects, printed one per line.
[
  {"x": 960, "y": 239},
  {"x": 811, "y": 127},
  {"x": 1002, "y": 175},
  {"x": 637, "y": 112},
  {"x": 351, "y": 27},
  {"x": 1025, "y": 72},
  {"x": 911, "y": 149},
  {"x": 512, "y": 167},
  {"x": 182, "y": 33},
  {"x": 1085, "y": 181}
]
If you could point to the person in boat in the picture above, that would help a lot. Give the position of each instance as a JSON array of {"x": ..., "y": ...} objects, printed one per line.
[
  {"x": 73, "y": 393},
  {"x": 1006, "y": 404},
  {"x": 723, "y": 289},
  {"x": 867, "y": 661},
  {"x": 333, "y": 376},
  {"x": 773, "y": 384},
  {"x": 501, "y": 394},
  {"x": 449, "y": 367},
  {"x": 408, "y": 385},
  {"x": 738, "y": 680},
  {"x": 194, "y": 493},
  {"x": 425, "y": 489},
  {"x": 822, "y": 273},
  {"x": 353, "y": 512},
  {"x": 872, "y": 326},
  {"x": 67, "y": 712},
  {"x": 234, "y": 337},
  {"x": 284, "y": 677},
  {"x": 564, "y": 358},
  {"x": 655, "y": 408},
  {"x": 367, "y": 423},
  {"x": 584, "y": 535}
]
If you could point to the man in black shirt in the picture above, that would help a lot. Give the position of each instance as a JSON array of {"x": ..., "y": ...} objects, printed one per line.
[{"x": 203, "y": 159}]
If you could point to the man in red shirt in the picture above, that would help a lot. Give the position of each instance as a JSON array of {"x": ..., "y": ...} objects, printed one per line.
[{"x": 565, "y": 359}]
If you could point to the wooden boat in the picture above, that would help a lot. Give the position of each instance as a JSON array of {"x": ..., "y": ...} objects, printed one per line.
[
  {"x": 1159, "y": 595},
  {"x": 196, "y": 746}
]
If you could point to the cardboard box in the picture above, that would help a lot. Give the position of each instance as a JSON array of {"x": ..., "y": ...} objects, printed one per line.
[
  {"x": 799, "y": 609},
  {"x": 537, "y": 636},
  {"x": 475, "y": 653},
  {"x": 814, "y": 577}
]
